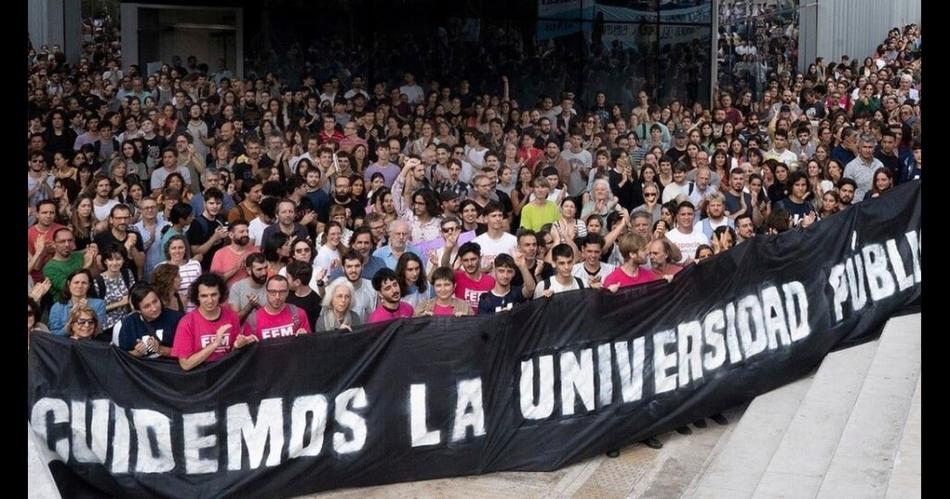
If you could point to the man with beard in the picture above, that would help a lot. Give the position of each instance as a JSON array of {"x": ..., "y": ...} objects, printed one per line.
[
  {"x": 745, "y": 229},
  {"x": 715, "y": 215},
  {"x": 545, "y": 133},
  {"x": 361, "y": 241},
  {"x": 209, "y": 231},
  {"x": 390, "y": 307},
  {"x": 119, "y": 233},
  {"x": 552, "y": 158},
  {"x": 398, "y": 244},
  {"x": 103, "y": 203},
  {"x": 229, "y": 261},
  {"x": 249, "y": 208},
  {"x": 846, "y": 190},
  {"x": 286, "y": 214},
  {"x": 248, "y": 293},
  {"x": 342, "y": 195},
  {"x": 364, "y": 297},
  {"x": 277, "y": 318}
]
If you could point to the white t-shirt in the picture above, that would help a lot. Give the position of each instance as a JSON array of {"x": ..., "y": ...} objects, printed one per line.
[
  {"x": 256, "y": 231},
  {"x": 687, "y": 243},
  {"x": 580, "y": 271},
  {"x": 555, "y": 286},
  {"x": 102, "y": 212},
  {"x": 494, "y": 247}
]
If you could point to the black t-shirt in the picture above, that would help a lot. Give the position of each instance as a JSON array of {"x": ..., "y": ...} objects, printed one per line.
[
  {"x": 106, "y": 238},
  {"x": 199, "y": 233},
  {"x": 309, "y": 304},
  {"x": 355, "y": 207},
  {"x": 61, "y": 143},
  {"x": 796, "y": 210},
  {"x": 546, "y": 272},
  {"x": 733, "y": 203},
  {"x": 675, "y": 154},
  {"x": 490, "y": 303},
  {"x": 153, "y": 150}
]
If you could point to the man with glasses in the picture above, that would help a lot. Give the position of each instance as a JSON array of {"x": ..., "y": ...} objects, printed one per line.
[
  {"x": 67, "y": 260},
  {"x": 277, "y": 318},
  {"x": 399, "y": 232},
  {"x": 150, "y": 228},
  {"x": 119, "y": 233},
  {"x": 376, "y": 222},
  {"x": 454, "y": 182},
  {"x": 351, "y": 138},
  {"x": 329, "y": 133}
]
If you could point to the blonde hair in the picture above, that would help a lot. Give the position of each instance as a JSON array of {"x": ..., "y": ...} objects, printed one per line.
[{"x": 75, "y": 314}]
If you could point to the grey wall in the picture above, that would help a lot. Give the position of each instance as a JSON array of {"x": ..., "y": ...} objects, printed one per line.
[
  {"x": 832, "y": 28},
  {"x": 56, "y": 22}
]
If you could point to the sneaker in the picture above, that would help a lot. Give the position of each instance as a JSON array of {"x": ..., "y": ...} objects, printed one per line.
[
  {"x": 653, "y": 443},
  {"x": 684, "y": 430},
  {"x": 613, "y": 453},
  {"x": 700, "y": 423},
  {"x": 719, "y": 419}
]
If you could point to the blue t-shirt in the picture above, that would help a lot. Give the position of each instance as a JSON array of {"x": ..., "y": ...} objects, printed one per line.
[{"x": 490, "y": 303}]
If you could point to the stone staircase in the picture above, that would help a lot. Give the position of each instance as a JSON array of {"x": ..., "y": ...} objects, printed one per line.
[{"x": 850, "y": 430}]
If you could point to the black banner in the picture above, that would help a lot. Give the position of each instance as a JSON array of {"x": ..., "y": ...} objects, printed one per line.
[{"x": 546, "y": 384}]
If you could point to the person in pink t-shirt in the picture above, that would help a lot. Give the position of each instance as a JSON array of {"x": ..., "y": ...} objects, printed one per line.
[
  {"x": 633, "y": 247},
  {"x": 229, "y": 260},
  {"x": 210, "y": 331},
  {"x": 471, "y": 282},
  {"x": 389, "y": 306},
  {"x": 277, "y": 318}
]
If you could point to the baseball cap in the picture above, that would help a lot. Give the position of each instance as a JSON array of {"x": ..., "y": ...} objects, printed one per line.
[{"x": 680, "y": 134}]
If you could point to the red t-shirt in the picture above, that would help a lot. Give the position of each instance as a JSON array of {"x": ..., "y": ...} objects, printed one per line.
[
  {"x": 225, "y": 259},
  {"x": 195, "y": 332},
  {"x": 31, "y": 236},
  {"x": 469, "y": 290},
  {"x": 381, "y": 314},
  {"x": 277, "y": 325},
  {"x": 441, "y": 310},
  {"x": 625, "y": 280}
]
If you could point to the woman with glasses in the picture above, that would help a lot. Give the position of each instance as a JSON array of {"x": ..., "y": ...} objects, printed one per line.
[
  {"x": 75, "y": 294},
  {"x": 82, "y": 324}
]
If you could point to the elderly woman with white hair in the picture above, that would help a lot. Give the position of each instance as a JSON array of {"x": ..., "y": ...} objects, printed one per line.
[
  {"x": 337, "y": 307},
  {"x": 600, "y": 201}
]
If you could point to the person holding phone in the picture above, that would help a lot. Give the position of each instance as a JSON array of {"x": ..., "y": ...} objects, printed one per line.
[{"x": 149, "y": 331}]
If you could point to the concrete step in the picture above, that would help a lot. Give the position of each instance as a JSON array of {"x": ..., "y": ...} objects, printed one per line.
[
  {"x": 801, "y": 459},
  {"x": 905, "y": 477},
  {"x": 842, "y": 432},
  {"x": 638, "y": 472},
  {"x": 737, "y": 467},
  {"x": 865, "y": 456}
]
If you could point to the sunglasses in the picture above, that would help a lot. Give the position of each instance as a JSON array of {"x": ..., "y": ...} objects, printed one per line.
[
  {"x": 86, "y": 322},
  {"x": 446, "y": 230}
]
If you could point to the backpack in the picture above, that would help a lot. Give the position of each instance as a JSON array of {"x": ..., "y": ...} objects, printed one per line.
[
  {"x": 99, "y": 283},
  {"x": 294, "y": 313},
  {"x": 546, "y": 283}
]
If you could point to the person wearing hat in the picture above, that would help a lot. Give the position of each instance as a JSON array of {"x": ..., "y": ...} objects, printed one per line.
[{"x": 679, "y": 146}]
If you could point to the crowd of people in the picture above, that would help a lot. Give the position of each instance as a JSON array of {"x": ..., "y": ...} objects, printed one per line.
[{"x": 187, "y": 213}]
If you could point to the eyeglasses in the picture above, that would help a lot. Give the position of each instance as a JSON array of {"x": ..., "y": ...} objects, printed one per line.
[
  {"x": 446, "y": 230},
  {"x": 86, "y": 322},
  {"x": 649, "y": 194},
  {"x": 302, "y": 250},
  {"x": 277, "y": 291}
]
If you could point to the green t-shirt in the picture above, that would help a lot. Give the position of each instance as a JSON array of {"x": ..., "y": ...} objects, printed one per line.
[
  {"x": 57, "y": 271},
  {"x": 534, "y": 217}
]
